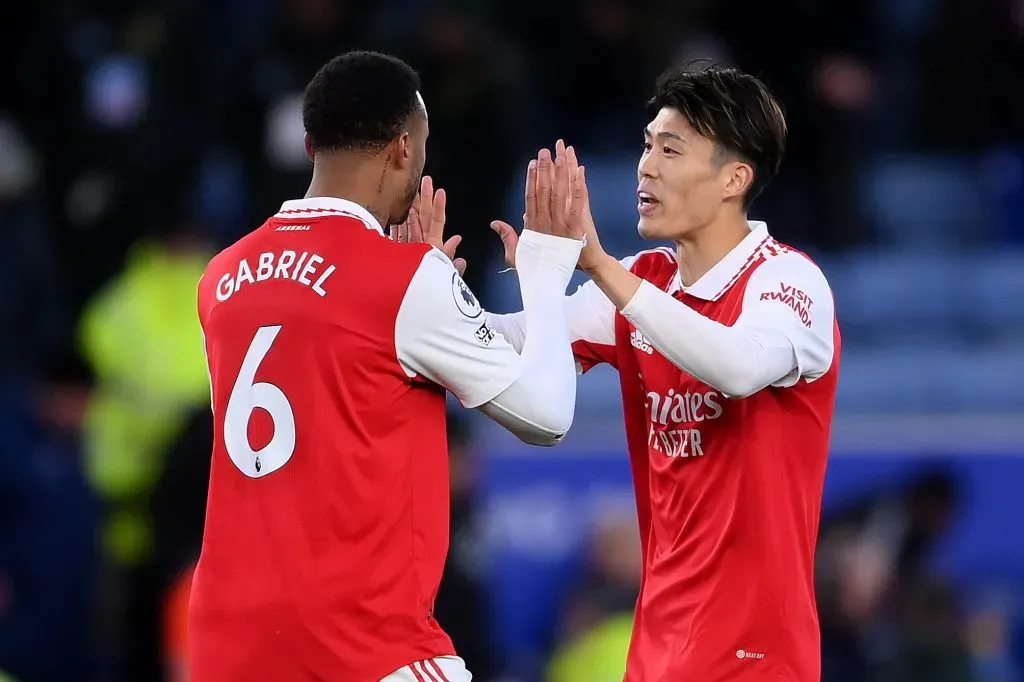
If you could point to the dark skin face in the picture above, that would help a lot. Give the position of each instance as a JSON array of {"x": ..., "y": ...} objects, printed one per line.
[{"x": 410, "y": 158}]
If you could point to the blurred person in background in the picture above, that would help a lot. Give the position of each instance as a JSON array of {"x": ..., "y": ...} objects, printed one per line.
[
  {"x": 598, "y": 618},
  {"x": 987, "y": 635},
  {"x": 948, "y": 52},
  {"x": 261, "y": 108},
  {"x": 929, "y": 642},
  {"x": 178, "y": 501},
  {"x": 141, "y": 338},
  {"x": 47, "y": 549},
  {"x": 132, "y": 106},
  {"x": 178, "y": 509},
  {"x": 30, "y": 277},
  {"x": 905, "y": 523},
  {"x": 48, "y": 553},
  {"x": 824, "y": 75},
  {"x": 872, "y": 568},
  {"x": 462, "y": 604}
]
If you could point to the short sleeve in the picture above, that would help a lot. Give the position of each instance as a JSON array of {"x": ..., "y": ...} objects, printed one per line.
[
  {"x": 789, "y": 294},
  {"x": 442, "y": 335}
]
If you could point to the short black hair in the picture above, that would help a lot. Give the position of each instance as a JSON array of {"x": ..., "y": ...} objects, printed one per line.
[
  {"x": 733, "y": 109},
  {"x": 359, "y": 101}
]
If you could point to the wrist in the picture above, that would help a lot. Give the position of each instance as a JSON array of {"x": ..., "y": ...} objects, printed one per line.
[
  {"x": 599, "y": 266},
  {"x": 538, "y": 249}
]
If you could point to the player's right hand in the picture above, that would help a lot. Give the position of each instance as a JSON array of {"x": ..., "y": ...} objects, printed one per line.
[
  {"x": 556, "y": 200},
  {"x": 426, "y": 222}
]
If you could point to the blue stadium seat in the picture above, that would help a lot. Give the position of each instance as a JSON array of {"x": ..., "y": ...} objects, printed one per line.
[
  {"x": 891, "y": 296},
  {"x": 991, "y": 293},
  {"x": 919, "y": 202},
  {"x": 988, "y": 379},
  {"x": 1003, "y": 184},
  {"x": 931, "y": 379},
  {"x": 875, "y": 381}
]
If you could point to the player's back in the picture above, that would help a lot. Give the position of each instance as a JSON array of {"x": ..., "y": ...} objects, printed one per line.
[{"x": 327, "y": 520}]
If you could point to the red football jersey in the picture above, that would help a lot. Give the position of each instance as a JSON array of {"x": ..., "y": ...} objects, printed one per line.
[
  {"x": 327, "y": 524},
  {"x": 728, "y": 490}
]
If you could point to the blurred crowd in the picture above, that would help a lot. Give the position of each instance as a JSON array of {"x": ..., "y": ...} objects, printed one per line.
[
  {"x": 139, "y": 136},
  {"x": 886, "y": 614}
]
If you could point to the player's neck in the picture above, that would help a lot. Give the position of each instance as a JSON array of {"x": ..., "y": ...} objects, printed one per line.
[
  {"x": 701, "y": 251},
  {"x": 342, "y": 181}
]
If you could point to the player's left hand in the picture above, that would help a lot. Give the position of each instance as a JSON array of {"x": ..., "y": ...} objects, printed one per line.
[
  {"x": 425, "y": 224},
  {"x": 593, "y": 253}
]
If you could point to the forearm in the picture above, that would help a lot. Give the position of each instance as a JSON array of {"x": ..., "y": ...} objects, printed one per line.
[
  {"x": 512, "y": 326},
  {"x": 615, "y": 280},
  {"x": 539, "y": 406},
  {"x": 737, "y": 361}
]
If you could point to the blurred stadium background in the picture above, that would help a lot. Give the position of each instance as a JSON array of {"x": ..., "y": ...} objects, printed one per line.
[{"x": 139, "y": 136}]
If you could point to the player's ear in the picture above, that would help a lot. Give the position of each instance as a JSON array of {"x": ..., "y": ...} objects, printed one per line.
[
  {"x": 403, "y": 154},
  {"x": 310, "y": 153},
  {"x": 737, "y": 177}
]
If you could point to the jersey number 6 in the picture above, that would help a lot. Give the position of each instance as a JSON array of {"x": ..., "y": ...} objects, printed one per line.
[{"x": 246, "y": 396}]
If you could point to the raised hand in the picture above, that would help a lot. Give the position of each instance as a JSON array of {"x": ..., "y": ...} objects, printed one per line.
[
  {"x": 426, "y": 221},
  {"x": 556, "y": 200}
]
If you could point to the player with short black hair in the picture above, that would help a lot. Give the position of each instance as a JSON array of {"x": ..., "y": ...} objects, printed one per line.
[
  {"x": 728, "y": 352},
  {"x": 364, "y": 110},
  {"x": 330, "y": 349},
  {"x": 734, "y": 110},
  {"x": 360, "y": 101}
]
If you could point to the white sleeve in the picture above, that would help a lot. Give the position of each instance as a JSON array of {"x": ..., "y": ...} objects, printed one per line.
[
  {"x": 442, "y": 334},
  {"x": 591, "y": 316},
  {"x": 790, "y": 295},
  {"x": 511, "y": 327},
  {"x": 784, "y": 332}
]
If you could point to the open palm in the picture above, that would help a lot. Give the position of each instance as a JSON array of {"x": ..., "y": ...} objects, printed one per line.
[
  {"x": 425, "y": 224},
  {"x": 584, "y": 220}
]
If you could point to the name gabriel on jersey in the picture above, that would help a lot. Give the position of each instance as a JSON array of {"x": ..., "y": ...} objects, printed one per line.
[{"x": 273, "y": 266}]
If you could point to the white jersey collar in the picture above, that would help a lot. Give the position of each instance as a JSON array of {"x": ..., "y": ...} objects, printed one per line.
[
  {"x": 313, "y": 207},
  {"x": 725, "y": 272}
]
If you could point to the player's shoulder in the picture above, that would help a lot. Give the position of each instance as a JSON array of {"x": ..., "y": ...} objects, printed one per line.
[
  {"x": 780, "y": 260},
  {"x": 437, "y": 287},
  {"x": 787, "y": 274},
  {"x": 231, "y": 254},
  {"x": 657, "y": 265},
  {"x": 400, "y": 262}
]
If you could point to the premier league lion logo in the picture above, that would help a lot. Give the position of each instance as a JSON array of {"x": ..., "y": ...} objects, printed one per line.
[{"x": 466, "y": 302}]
